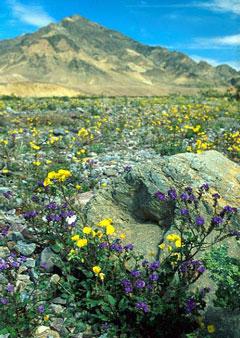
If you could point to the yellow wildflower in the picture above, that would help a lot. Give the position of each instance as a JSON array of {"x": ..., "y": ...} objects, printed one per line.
[
  {"x": 123, "y": 236},
  {"x": 99, "y": 234},
  {"x": 178, "y": 243},
  {"x": 175, "y": 238},
  {"x": 47, "y": 182},
  {"x": 101, "y": 276},
  {"x": 75, "y": 238},
  {"x": 211, "y": 328},
  {"x": 162, "y": 246},
  {"x": 46, "y": 318},
  {"x": 87, "y": 230},
  {"x": 34, "y": 146},
  {"x": 78, "y": 187},
  {"x": 96, "y": 269},
  {"x": 110, "y": 229},
  {"x": 82, "y": 242},
  {"x": 105, "y": 222},
  {"x": 37, "y": 163}
]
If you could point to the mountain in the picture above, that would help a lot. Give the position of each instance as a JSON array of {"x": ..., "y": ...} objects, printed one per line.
[{"x": 77, "y": 56}]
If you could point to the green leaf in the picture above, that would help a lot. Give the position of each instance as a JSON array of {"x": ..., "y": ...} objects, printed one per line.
[{"x": 111, "y": 300}]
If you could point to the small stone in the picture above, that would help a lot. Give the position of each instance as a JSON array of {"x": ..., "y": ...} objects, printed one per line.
[
  {"x": 11, "y": 245},
  {"x": 58, "y": 132},
  {"x": 25, "y": 248},
  {"x": 55, "y": 279},
  {"x": 110, "y": 172},
  {"x": 4, "y": 251},
  {"x": 16, "y": 236},
  {"x": 56, "y": 308},
  {"x": 58, "y": 324},
  {"x": 30, "y": 263},
  {"x": 46, "y": 332},
  {"x": 47, "y": 259},
  {"x": 59, "y": 300},
  {"x": 22, "y": 269},
  {"x": 22, "y": 282}
]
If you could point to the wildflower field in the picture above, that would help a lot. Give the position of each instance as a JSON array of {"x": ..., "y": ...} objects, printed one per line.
[{"x": 62, "y": 277}]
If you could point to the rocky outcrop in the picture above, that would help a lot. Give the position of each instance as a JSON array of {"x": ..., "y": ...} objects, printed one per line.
[{"x": 130, "y": 200}]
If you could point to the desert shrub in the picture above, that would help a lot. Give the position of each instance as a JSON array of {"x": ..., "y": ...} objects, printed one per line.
[{"x": 225, "y": 272}]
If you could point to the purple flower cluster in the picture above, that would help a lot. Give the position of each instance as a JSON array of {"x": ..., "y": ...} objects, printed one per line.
[
  {"x": 217, "y": 220},
  {"x": 128, "y": 247},
  {"x": 4, "y": 300},
  {"x": 4, "y": 231},
  {"x": 187, "y": 196},
  {"x": 116, "y": 247},
  {"x": 154, "y": 265},
  {"x": 172, "y": 194},
  {"x": 160, "y": 196},
  {"x": 135, "y": 273},
  {"x": 12, "y": 261},
  {"x": 204, "y": 187},
  {"x": 103, "y": 245},
  {"x": 140, "y": 284},
  {"x": 153, "y": 277},
  {"x": 190, "y": 305},
  {"x": 192, "y": 265},
  {"x": 30, "y": 214},
  {"x": 60, "y": 215},
  {"x": 199, "y": 220},
  {"x": 10, "y": 288},
  {"x": 235, "y": 233},
  {"x": 127, "y": 285},
  {"x": 227, "y": 211},
  {"x": 142, "y": 306}
]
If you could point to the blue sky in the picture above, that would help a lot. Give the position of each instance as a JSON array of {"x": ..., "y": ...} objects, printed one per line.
[{"x": 207, "y": 30}]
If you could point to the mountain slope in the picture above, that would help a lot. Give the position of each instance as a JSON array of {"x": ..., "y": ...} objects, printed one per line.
[{"x": 84, "y": 57}]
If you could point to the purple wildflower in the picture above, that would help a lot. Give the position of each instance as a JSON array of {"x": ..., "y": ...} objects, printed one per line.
[
  {"x": 145, "y": 263},
  {"x": 140, "y": 284},
  {"x": 135, "y": 273},
  {"x": 154, "y": 266},
  {"x": 184, "y": 196},
  {"x": 103, "y": 245},
  {"x": 205, "y": 187},
  {"x": 216, "y": 220},
  {"x": 126, "y": 283},
  {"x": 116, "y": 247},
  {"x": 10, "y": 288},
  {"x": 172, "y": 194},
  {"x": 153, "y": 277},
  {"x": 199, "y": 220},
  {"x": 128, "y": 247},
  {"x": 4, "y": 300},
  {"x": 30, "y": 214},
  {"x": 160, "y": 196},
  {"x": 184, "y": 212},
  {"x": 190, "y": 305},
  {"x": 142, "y": 306},
  {"x": 41, "y": 309}
]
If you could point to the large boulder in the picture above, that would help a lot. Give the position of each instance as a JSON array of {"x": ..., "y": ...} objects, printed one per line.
[{"x": 130, "y": 200}]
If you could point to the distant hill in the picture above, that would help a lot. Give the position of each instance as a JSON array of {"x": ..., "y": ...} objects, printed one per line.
[{"x": 77, "y": 56}]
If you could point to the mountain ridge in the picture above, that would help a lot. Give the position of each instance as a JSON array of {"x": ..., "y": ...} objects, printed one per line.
[{"x": 87, "y": 58}]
